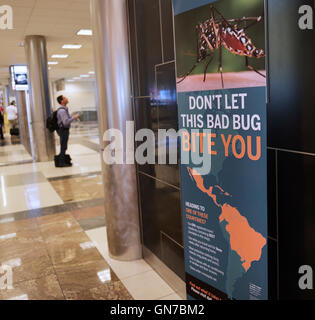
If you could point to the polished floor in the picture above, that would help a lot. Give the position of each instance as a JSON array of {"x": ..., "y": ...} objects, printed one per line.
[
  {"x": 53, "y": 231},
  {"x": 11, "y": 151}
]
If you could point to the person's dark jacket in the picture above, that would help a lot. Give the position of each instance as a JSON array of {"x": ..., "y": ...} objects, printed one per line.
[{"x": 1, "y": 119}]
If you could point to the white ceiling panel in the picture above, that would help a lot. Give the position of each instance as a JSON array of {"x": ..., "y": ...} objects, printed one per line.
[{"x": 58, "y": 21}]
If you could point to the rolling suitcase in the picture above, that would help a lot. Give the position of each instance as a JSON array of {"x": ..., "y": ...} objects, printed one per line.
[{"x": 14, "y": 132}]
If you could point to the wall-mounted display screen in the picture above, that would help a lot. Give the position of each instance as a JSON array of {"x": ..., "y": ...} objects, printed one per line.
[{"x": 19, "y": 78}]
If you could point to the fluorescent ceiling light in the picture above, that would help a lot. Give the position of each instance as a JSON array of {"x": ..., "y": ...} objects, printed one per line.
[
  {"x": 85, "y": 32},
  {"x": 60, "y": 56},
  {"x": 72, "y": 46},
  {"x": 84, "y": 76},
  {"x": 76, "y": 78},
  {"x": 91, "y": 72},
  {"x": 52, "y": 62}
]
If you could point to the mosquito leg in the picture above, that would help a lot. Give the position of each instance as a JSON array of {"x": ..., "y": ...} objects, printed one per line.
[
  {"x": 212, "y": 14},
  {"x": 206, "y": 66},
  {"x": 253, "y": 23},
  {"x": 242, "y": 20},
  {"x": 252, "y": 68},
  {"x": 228, "y": 22},
  {"x": 251, "y": 20},
  {"x": 220, "y": 67},
  {"x": 199, "y": 58},
  {"x": 220, "y": 59},
  {"x": 190, "y": 71},
  {"x": 222, "y": 17}
]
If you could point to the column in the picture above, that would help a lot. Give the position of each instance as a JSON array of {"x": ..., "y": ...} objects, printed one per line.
[
  {"x": 23, "y": 121},
  {"x": 43, "y": 140},
  {"x": 8, "y": 94},
  {"x": 111, "y": 55}
]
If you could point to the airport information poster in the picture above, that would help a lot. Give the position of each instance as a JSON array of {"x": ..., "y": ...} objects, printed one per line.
[{"x": 221, "y": 91}]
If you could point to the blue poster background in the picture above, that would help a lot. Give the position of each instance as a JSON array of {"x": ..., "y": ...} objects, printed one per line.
[
  {"x": 181, "y": 6},
  {"x": 245, "y": 182}
]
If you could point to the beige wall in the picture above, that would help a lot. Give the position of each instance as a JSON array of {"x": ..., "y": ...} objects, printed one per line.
[{"x": 81, "y": 95}]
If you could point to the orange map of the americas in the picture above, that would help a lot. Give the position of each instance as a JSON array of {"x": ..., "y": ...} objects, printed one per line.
[{"x": 244, "y": 240}]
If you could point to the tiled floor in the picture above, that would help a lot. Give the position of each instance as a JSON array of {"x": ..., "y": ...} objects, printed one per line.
[
  {"x": 53, "y": 233},
  {"x": 29, "y": 182},
  {"x": 134, "y": 274},
  {"x": 12, "y": 153},
  {"x": 80, "y": 188},
  {"x": 53, "y": 258},
  {"x": 27, "y": 197}
]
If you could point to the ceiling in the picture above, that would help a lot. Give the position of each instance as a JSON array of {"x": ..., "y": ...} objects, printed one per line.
[{"x": 58, "y": 21}]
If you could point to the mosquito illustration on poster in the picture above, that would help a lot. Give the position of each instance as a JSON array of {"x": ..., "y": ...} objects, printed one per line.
[{"x": 217, "y": 37}]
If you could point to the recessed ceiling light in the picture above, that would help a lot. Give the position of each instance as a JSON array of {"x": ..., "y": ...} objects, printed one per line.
[
  {"x": 91, "y": 72},
  {"x": 84, "y": 76},
  {"x": 85, "y": 32},
  {"x": 52, "y": 62},
  {"x": 72, "y": 46},
  {"x": 60, "y": 56}
]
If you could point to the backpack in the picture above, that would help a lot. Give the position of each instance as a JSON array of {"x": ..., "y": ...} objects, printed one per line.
[{"x": 52, "y": 122}]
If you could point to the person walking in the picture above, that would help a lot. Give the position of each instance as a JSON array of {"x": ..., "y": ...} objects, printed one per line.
[
  {"x": 12, "y": 114},
  {"x": 64, "y": 122}
]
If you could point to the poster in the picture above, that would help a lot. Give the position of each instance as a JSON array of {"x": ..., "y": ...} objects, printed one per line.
[{"x": 221, "y": 91}]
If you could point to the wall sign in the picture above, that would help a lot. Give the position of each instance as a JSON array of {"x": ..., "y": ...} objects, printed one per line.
[{"x": 221, "y": 89}]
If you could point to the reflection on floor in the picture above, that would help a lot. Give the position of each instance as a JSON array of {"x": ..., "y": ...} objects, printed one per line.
[
  {"x": 53, "y": 234},
  {"x": 12, "y": 152},
  {"x": 80, "y": 188}
]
